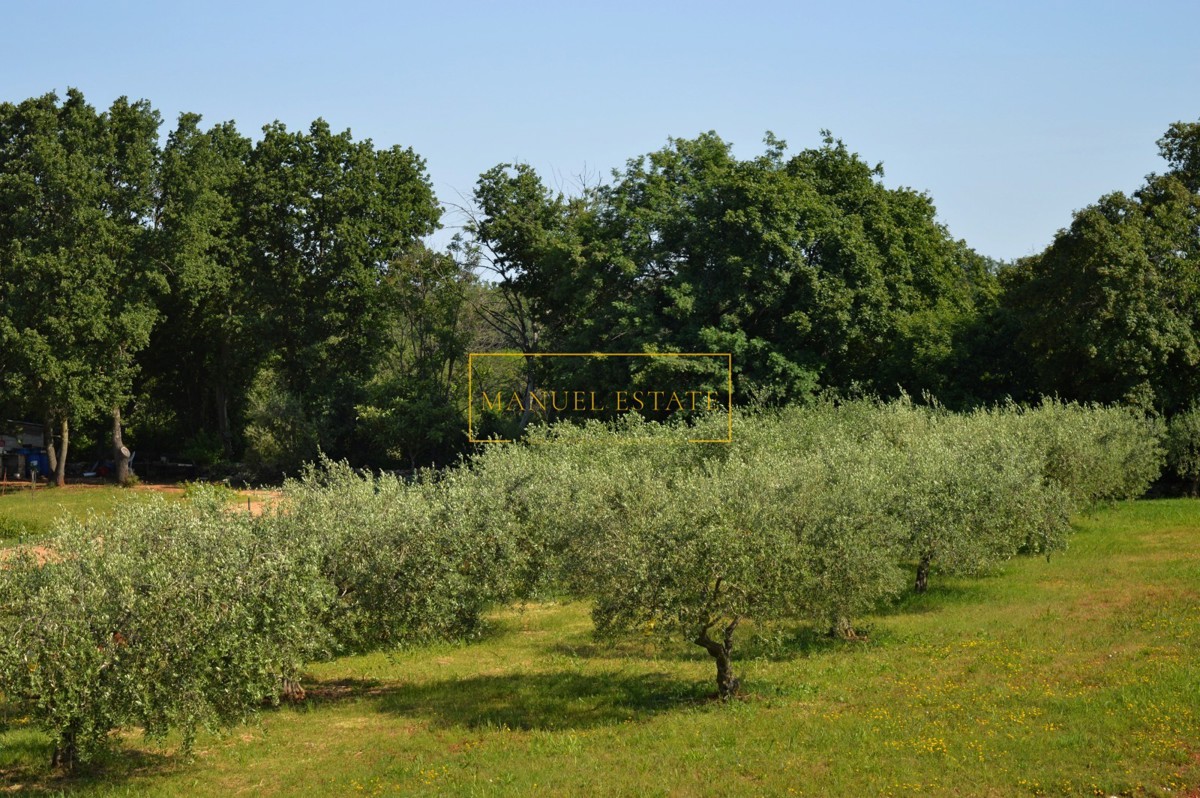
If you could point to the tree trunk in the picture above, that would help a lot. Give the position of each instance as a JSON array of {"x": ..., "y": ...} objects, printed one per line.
[
  {"x": 923, "y": 573},
  {"x": 842, "y": 628},
  {"x": 66, "y": 752},
  {"x": 51, "y": 454},
  {"x": 221, "y": 400},
  {"x": 224, "y": 428},
  {"x": 721, "y": 652},
  {"x": 64, "y": 438},
  {"x": 120, "y": 452},
  {"x": 528, "y": 394},
  {"x": 292, "y": 691}
]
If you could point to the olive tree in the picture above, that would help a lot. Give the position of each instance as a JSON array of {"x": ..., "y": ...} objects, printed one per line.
[
  {"x": 405, "y": 561},
  {"x": 837, "y": 503},
  {"x": 677, "y": 557},
  {"x": 972, "y": 494},
  {"x": 164, "y": 615},
  {"x": 1096, "y": 453},
  {"x": 682, "y": 541},
  {"x": 1183, "y": 446}
]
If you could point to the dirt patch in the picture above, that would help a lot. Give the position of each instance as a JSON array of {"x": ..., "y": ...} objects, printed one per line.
[
  {"x": 43, "y": 554},
  {"x": 256, "y": 502},
  {"x": 153, "y": 488}
]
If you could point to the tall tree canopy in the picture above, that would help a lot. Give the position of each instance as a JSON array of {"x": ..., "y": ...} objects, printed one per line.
[
  {"x": 807, "y": 268},
  {"x": 1111, "y": 310},
  {"x": 327, "y": 215},
  {"x": 215, "y": 279},
  {"x": 203, "y": 354},
  {"x": 77, "y": 292},
  {"x": 269, "y": 299}
]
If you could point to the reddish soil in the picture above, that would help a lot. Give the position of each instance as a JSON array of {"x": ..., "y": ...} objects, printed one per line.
[{"x": 42, "y": 553}]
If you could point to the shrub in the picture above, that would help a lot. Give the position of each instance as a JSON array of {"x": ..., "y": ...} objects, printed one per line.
[
  {"x": 280, "y": 435},
  {"x": 405, "y": 561},
  {"x": 1183, "y": 446},
  {"x": 11, "y": 528},
  {"x": 1096, "y": 453},
  {"x": 204, "y": 448},
  {"x": 210, "y": 491},
  {"x": 165, "y": 615}
]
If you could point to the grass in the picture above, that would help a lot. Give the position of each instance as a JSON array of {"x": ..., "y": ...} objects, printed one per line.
[
  {"x": 26, "y": 513},
  {"x": 1077, "y": 676},
  {"x": 29, "y": 514}
]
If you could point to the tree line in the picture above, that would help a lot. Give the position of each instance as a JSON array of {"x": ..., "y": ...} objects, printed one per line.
[{"x": 262, "y": 300}]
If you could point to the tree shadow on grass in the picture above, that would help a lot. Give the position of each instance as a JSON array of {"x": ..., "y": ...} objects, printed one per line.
[
  {"x": 25, "y": 769},
  {"x": 540, "y": 701},
  {"x": 802, "y": 640},
  {"x": 776, "y": 641},
  {"x": 624, "y": 647},
  {"x": 942, "y": 593}
]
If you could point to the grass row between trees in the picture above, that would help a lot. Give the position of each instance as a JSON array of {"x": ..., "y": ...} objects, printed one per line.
[{"x": 1074, "y": 676}]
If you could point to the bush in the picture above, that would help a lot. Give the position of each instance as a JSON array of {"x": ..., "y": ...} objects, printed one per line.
[
  {"x": 203, "y": 448},
  {"x": 1096, "y": 453},
  {"x": 163, "y": 615},
  {"x": 11, "y": 528},
  {"x": 405, "y": 561},
  {"x": 1183, "y": 446}
]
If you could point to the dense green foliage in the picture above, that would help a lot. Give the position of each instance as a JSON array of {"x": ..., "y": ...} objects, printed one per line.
[
  {"x": 164, "y": 615},
  {"x": 189, "y": 614},
  {"x": 260, "y": 301},
  {"x": 1111, "y": 310},
  {"x": 1183, "y": 446},
  {"x": 806, "y": 268},
  {"x": 814, "y": 513},
  {"x": 77, "y": 288},
  {"x": 203, "y": 283}
]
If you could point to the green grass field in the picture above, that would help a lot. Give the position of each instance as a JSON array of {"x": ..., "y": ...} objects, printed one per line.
[
  {"x": 30, "y": 513},
  {"x": 1077, "y": 676}
]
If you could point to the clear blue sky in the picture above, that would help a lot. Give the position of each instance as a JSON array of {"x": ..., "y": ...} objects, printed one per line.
[{"x": 1009, "y": 114}]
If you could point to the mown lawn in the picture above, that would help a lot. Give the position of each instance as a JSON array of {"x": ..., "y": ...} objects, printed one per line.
[
  {"x": 1080, "y": 675},
  {"x": 29, "y": 513}
]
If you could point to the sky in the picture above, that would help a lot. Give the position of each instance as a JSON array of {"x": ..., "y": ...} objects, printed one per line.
[{"x": 1010, "y": 115}]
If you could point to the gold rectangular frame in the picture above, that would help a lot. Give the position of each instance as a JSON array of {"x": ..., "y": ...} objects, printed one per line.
[{"x": 471, "y": 387}]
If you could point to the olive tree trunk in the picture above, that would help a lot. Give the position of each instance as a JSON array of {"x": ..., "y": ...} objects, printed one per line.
[
  {"x": 722, "y": 652},
  {"x": 923, "y": 572},
  {"x": 66, "y": 751}
]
